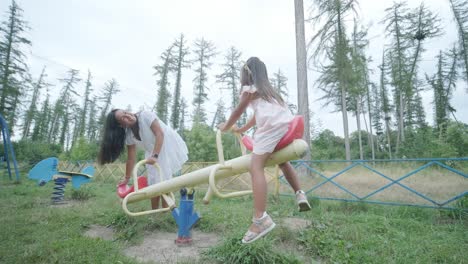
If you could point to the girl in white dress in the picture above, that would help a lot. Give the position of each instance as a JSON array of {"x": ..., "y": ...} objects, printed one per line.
[
  {"x": 161, "y": 144},
  {"x": 272, "y": 118}
]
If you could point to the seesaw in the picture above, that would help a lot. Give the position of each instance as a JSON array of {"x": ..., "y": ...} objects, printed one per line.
[
  {"x": 46, "y": 170},
  {"x": 290, "y": 147}
]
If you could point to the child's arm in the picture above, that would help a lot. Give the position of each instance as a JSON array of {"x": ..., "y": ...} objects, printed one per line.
[
  {"x": 247, "y": 126},
  {"x": 244, "y": 102}
]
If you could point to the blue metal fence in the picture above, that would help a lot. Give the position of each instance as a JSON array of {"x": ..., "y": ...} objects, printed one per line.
[{"x": 455, "y": 170}]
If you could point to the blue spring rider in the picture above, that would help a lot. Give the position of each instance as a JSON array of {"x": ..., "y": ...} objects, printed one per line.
[
  {"x": 46, "y": 170},
  {"x": 185, "y": 217}
]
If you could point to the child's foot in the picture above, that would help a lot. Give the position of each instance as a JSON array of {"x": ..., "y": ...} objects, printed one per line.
[
  {"x": 302, "y": 201},
  {"x": 259, "y": 228}
]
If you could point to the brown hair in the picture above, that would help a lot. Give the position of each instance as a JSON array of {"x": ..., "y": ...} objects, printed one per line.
[{"x": 254, "y": 72}]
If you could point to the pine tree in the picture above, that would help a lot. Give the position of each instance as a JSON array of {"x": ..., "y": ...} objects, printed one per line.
[
  {"x": 32, "y": 109},
  {"x": 164, "y": 96},
  {"x": 460, "y": 9},
  {"x": 332, "y": 41},
  {"x": 12, "y": 63},
  {"x": 229, "y": 78},
  {"x": 60, "y": 118},
  {"x": 41, "y": 121},
  {"x": 110, "y": 89},
  {"x": 84, "y": 111},
  {"x": 181, "y": 62},
  {"x": 204, "y": 52}
]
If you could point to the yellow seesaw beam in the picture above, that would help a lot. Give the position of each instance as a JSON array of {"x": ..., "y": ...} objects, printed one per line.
[{"x": 239, "y": 165}]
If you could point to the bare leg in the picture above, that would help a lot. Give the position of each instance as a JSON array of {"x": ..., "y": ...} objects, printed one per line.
[
  {"x": 259, "y": 185},
  {"x": 155, "y": 202},
  {"x": 290, "y": 175}
]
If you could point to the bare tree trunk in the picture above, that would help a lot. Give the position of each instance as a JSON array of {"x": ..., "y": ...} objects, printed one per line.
[
  {"x": 301, "y": 65},
  {"x": 358, "y": 120}
]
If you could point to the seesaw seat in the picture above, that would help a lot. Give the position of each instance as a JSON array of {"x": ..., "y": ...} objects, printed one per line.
[
  {"x": 295, "y": 131},
  {"x": 123, "y": 189}
]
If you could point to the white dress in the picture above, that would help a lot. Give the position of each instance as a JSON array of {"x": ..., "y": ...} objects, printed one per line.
[
  {"x": 272, "y": 120},
  {"x": 173, "y": 152}
]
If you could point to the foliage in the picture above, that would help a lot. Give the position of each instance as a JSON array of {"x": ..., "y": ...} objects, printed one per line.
[{"x": 34, "y": 151}]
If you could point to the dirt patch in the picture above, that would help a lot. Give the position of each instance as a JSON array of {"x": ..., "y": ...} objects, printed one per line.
[
  {"x": 159, "y": 247},
  {"x": 295, "y": 224},
  {"x": 96, "y": 231}
]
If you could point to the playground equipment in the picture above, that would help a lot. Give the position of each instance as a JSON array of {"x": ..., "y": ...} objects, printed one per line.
[
  {"x": 46, "y": 170},
  {"x": 292, "y": 147},
  {"x": 8, "y": 152}
]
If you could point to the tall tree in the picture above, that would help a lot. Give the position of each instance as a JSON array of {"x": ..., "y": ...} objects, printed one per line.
[
  {"x": 397, "y": 25},
  {"x": 164, "y": 96},
  {"x": 59, "y": 122},
  {"x": 220, "y": 114},
  {"x": 229, "y": 78},
  {"x": 42, "y": 120},
  {"x": 359, "y": 82},
  {"x": 385, "y": 104},
  {"x": 332, "y": 41},
  {"x": 31, "y": 112},
  {"x": 443, "y": 83},
  {"x": 279, "y": 82},
  {"x": 12, "y": 64},
  {"x": 204, "y": 52},
  {"x": 460, "y": 11},
  {"x": 183, "y": 114},
  {"x": 85, "y": 109},
  {"x": 424, "y": 25},
  {"x": 93, "y": 126},
  {"x": 111, "y": 88},
  {"x": 181, "y": 62}
]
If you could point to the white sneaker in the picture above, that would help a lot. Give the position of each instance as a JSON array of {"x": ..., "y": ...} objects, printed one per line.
[{"x": 302, "y": 202}]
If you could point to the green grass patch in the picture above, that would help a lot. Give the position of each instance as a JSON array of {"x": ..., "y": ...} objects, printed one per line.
[{"x": 34, "y": 231}]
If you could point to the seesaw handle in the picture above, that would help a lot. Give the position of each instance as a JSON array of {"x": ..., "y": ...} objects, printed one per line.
[
  {"x": 169, "y": 198},
  {"x": 214, "y": 189},
  {"x": 135, "y": 172}
]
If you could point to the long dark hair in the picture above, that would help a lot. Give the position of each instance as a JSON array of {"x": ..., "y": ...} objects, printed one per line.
[
  {"x": 255, "y": 73},
  {"x": 113, "y": 140}
]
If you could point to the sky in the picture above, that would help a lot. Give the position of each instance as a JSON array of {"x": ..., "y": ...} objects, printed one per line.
[{"x": 124, "y": 39}]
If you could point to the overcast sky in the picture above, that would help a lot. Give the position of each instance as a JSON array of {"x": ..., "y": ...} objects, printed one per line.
[{"x": 123, "y": 39}]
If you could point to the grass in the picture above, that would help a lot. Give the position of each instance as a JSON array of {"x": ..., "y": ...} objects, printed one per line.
[{"x": 33, "y": 231}]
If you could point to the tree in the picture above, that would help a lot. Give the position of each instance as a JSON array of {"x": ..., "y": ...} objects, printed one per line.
[
  {"x": 229, "y": 78},
  {"x": 12, "y": 65},
  {"x": 110, "y": 89},
  {"x": 183, "y": 114},
  {"x": 219, "y": 116},
  {"x": 60, "y": 117},
  {"x": 204, "y": 51},
  {"x": 460, "y": 9},
  {"x": 42, "y": 120},
  {"x": 86, "y": 102},
  {"x": 181, "y": 62},
  {"x": 332, "y": 41},
  {"x": 279, "y": 83},
  {"x": 385, "y": 104},
  {"x": 32, "y": 109},
  {"x": 92, "y": 126},
  {"x": 443, "y": 83},
  {"x": 164, "y": 96},
  {"x": 424, "y": 25}
]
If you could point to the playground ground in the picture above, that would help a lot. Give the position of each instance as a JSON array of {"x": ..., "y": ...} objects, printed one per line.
[{"x": 92, "y": 228}]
